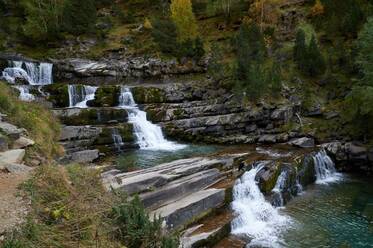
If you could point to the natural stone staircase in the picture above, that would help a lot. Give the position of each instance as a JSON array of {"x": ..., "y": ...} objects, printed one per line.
[{"x": 180, "y": 191}]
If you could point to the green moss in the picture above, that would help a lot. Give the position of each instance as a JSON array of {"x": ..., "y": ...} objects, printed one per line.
[
  {"x": 96, "y": 117},
  {"x": 148, "y": 95},
  {"x": 106, "y": 136},
  {"x": 106, "y": 96},
  {"x": 58, "y": 94},
  {"x": 266, "y": 186}
]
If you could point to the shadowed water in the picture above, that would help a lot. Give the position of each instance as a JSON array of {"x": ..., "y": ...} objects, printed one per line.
[{"x": 334, "y": 215}]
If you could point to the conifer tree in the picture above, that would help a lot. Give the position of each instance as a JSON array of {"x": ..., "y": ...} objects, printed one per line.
[
  {"x": 184, "y": 19},
  {"x": 365, "y": 54},
  {"x": 79, "y": 16},
  {"x": 315, "y": 63},
  {"x": 300, "y": 49}
]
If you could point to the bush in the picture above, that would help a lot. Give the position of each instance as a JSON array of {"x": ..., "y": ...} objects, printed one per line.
[{"x": 135, "y": 229}]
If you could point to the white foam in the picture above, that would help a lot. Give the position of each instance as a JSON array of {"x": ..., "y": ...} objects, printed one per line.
[
  {"x": 256, "y": 218},
  {"x": 148, "y": 135}
]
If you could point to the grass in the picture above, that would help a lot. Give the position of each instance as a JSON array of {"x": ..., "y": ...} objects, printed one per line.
[
  {"x": 71, "y": 208},
  {"x": 39, "y": 122}
]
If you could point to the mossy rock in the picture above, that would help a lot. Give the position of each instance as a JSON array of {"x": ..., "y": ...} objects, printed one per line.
[
  {"x": 125, "y": 131},
  {"x": 106, "y": 96},
  {"x": 155, "y": 115},
  {"x": 58, "y": 94},
  {"x": 267, "y": 177},
  {"x": 148, "y": 95},
  {"x": 96, "y": 117},
  {"x": 306, "y": 170}
]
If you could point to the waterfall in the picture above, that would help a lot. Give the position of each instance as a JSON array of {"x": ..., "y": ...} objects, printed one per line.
[
  {"x": 148, "y": 135},
  {"x": 324, "y": 167},
  {"x": 117, "y": 139},
  {"x": 79, "y": 95},
  {"x": 279, "y": 188},
  {"x": 256, "y": 218},
  {"x": 33, "y": 73},
  {"x": 24, "y": 93}
]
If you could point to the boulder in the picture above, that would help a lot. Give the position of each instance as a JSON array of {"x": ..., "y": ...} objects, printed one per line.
[
  {"x": 86, "y": 156},
  {"x": 12, "y": 156},
  {"x": 303, "y": 142},
  {"x": 23, "y": 142},
  {"x": 17, "y": 168},
  {"x": 10, "y": 130}
]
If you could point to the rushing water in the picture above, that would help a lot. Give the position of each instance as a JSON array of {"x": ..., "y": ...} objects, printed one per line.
[
  {"x": 337, "y": 214},
  {"x": 148, "y": 135},
  {"x": 79, "y": 95},
  {"x": 325, "y": 170},
  {"x": 28, "y": 73},
  {"x": 256, "y": 218},
  {"x": 33, "y": 73}
]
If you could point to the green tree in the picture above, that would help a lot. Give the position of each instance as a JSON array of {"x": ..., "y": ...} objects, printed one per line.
[
  {"x": 314, "y": 62},
  {"x": 359, "y": 103},
  {"x": 309, "y": 59},
  {"x": 250, "y": 54},
  {"x": 365, "y": 54},
  {"x": 79, "y": 16},
  {"x": 43, "y": 19},
  {"x": 184, "y": 19},
  {"x": 164, "y": 34},
  {"x": 300, "y": 49}
]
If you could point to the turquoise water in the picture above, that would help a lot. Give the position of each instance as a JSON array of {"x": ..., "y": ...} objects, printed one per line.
[
  {"x": 334, "y": 215},
  {"x": 148, "y": 158}
]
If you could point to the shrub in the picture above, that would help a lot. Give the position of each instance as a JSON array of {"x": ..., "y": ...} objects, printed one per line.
[{"x": 135, "y": 228}]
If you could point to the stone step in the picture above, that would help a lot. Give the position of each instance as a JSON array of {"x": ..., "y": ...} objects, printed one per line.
[
  {"x": 157, "y": 176},
  {"x": 209, "y": 231},
  {"x": 187, "y": 209},
  {"x": 91, "y": 116},
  {"x": 180, "y": 188}
]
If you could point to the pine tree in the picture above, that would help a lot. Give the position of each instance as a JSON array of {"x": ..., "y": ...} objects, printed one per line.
[
  {"x": 315, "y": 63},
  {"x": 164, "y": 34},
  {"x": 300, "y": 50},
  {"x": 184, "y": 19},
  {"x": 365, "y": 54},
  {"x": 250, "y": 49},
  {"x": 79, "y": 16}
]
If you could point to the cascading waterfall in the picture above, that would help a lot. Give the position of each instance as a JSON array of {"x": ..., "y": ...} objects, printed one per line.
[
  {"x": 28, "y": 73},
  {"x": 33, "y": 73},
  {"x": 79, "y": 95},
  {"x": 256, "y": 218},
  {"x": 24, "y": 93},
  {"x": 117, "y": 139},
  {"x": 149, "y": 136},
  {"x": 324, "y": 167},
  {"x": 279, "y": 188}
]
